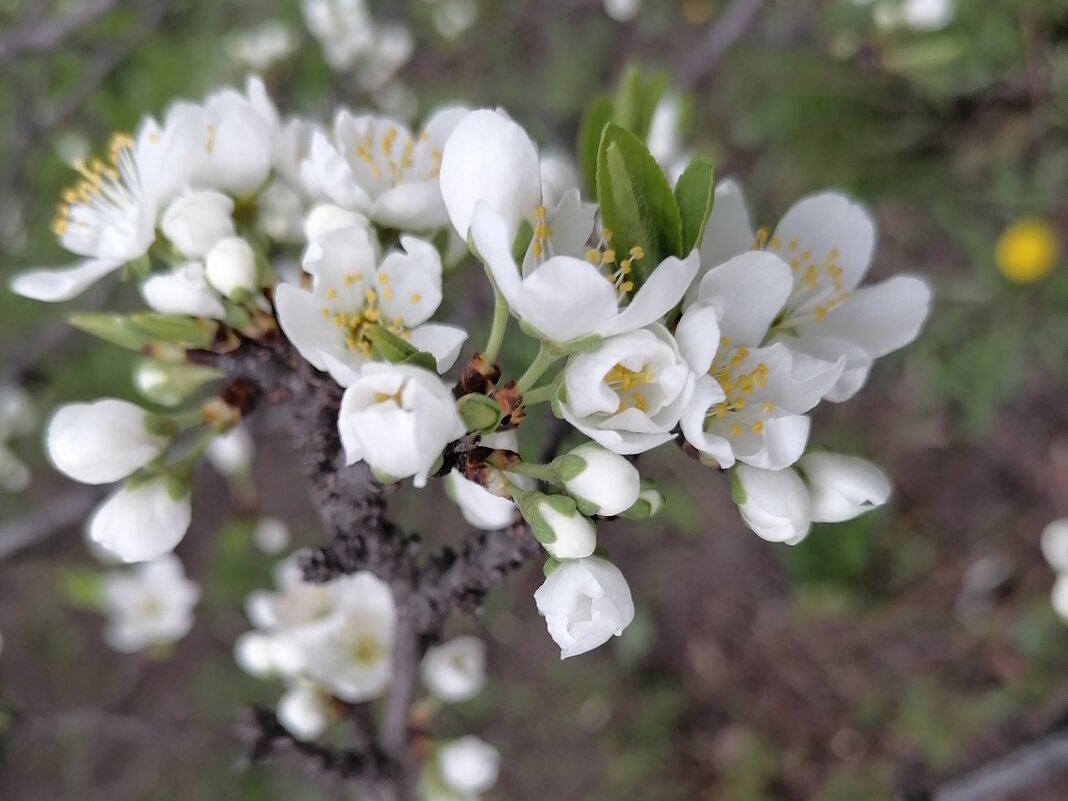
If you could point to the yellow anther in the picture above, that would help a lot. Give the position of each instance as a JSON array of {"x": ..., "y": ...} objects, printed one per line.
[
  {"x": 739, "y": 403},
  {"x": 387, "y": 293},
  {"x": 757, "y": 427},
  {"x": 415, "y": 298},
  {"x": 794, "y": 245},
  {"x": 768, "y": 406},
  {"x": 539, "y": 213},
  {"x": 352, "y": 278},
  {"x": 537, "y": 249},
  {"x": 775, "y": 243},
  {"x": 608, "y": 257},
  {"x": 371, "y": 296},
  {"x": 626, "y": 286},
  {"x": 388, "y": 139},
  {"x": 593, "y": 256},
  {"x": 794, "y": 264},
  {"x": 606, "y": 234},
  {"x": 811, "y": 277},
  {"x": 637, "y": 253},
  {"x": 331, "y": 293},
  {"x": 326, "y": 313},
  {"x": 724, "y": 342},
  {"x": 736, "y": 429}
]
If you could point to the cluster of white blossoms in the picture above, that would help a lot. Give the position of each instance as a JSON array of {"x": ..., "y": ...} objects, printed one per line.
[
  {"x": 918, "y": 15},
  {"x": 17, "y": 419},
  {"x": 332, "y": 644},
  {"x": 353, "y": 40},
  {"x": 660, "y": 316},
  {"x": 148, "y": 605},
  {"x": 1055, "y": 549}
]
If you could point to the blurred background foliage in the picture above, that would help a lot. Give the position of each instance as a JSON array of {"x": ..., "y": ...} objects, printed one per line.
[{"x": 879, "y": 657}]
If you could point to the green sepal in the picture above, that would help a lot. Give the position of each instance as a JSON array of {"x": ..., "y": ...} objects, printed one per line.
[
  {"x": 382, "y": 477},
  {"x": 552, "y": 564},
  {"x": 586, "y": 344},
  {"x": 637, "y": 204},
  {"x": 421, "y": 359},
  {"x": 480, "y": 413},
  {"x": 137, "y": 268},
  {"x": 180, "y": 381},
  {"x": 190, "y": 333},
  {"x": 694, "y": 194},
  {"x": 738, "y": 493},
  {"x": 388, "y": 345},
  {"x": 161, "y": 426},
  {"x": 568, "y": 466},
  {"x": 524, "y": 235},
  {"x": 118, "y": 329},
  {"x": 586, "y": 508}
]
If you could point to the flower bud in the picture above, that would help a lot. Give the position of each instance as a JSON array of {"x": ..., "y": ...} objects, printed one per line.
[
  {"x": 231, "y": 452},
  {"x": 305, "y": 711},
  {"x": 650, "y": 502},
  {"x": 603, "y": 483},
  {"x": 327, "y": 217},
  {"x": 456, "y": 671},
  {"x": 842, "y": 487},
  {"x": 558, "y": 525},
  {"x": 103, "y": 441},
  {"x": 271, "y": 535},
  {"x": 231, "y": 267},
  {"x": 773, "y": 503},
  {"x": 143, "y": 520},
  {"x": 584, "y": 602},
  {"x": 196, "y": 221},
  {"x": 169, "y": 384},
  {"x": 1055, "y": 545},
  {"x": 469, "y": 765}
]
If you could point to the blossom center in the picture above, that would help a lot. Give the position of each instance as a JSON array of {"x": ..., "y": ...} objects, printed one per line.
[
  {"x": 106, "y": 187},
  {"x": 628, "y": 385},
  {"x": 820, "y": 277},
  {"x": 353, "y": 325},
  {"x": 740, "y": 382},
  {"x": 605, "y": 256}
]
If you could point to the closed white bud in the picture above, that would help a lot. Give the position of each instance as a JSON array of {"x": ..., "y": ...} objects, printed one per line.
[
  {"x": 143, "y": 521},
  {"x": 455, "y": 671},
  {"x": 231, "y": 452},
  {"x": 558, "y": 525},
  {"x": 842, "y": 487},
  {"x": 585, "y": 603},
  {"x": 326, "y": 217},
  {"x": 603, "y": 481},
  {"x": 305, "y": 711},
  {"x": 773, "y": 503},
  {"x": 196, "y": 221},
  {"x": 231, "y": 267},
  {"x": 469, "y": 765},
  {"x": 650, "y": 501},
  {"x": 103, "y": 441},
  {"x": 1055, "y": 545}
]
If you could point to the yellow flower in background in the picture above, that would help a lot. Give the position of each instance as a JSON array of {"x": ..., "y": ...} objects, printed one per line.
[{"x": 1027, "y": 251}]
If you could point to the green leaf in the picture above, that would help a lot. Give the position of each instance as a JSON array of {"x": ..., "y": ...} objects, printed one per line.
[
  {"x": 636, "y": 100},
  {"x": 421, "y": 359},
  {"x": 637, "y": 204},
  {"x": 185, "y": 332},
  {"x": 694, "y": 194},
  {"x": 598, "y": 115},
  {"x": 118, "y": 329}
]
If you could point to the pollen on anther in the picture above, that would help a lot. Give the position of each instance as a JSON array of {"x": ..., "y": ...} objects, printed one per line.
[{"x": 331, "y": 293}]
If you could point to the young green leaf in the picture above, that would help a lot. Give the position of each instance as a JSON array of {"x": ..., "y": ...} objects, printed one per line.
[
  {"x": 636, "y": 201},
  {"x": 598, "y": 115},
  {"x": 694, "y": 193},
  {"x": 636, "y": 99}
]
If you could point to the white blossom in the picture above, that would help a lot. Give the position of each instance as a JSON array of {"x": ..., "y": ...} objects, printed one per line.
[
  {"x": 195, "y": 221},
  {"x": 263, "y": 46},
  {"x": 241, "y": 133},
  {"x": 351, "y": 292},
  {"x": 622, "y": 10},
  {"x": 151, "y": 604},
  {"x": 827, "y": 242},
  {"x": 142, "y": 521},
  {"x": 398, "y": 419},
  {"x": 469, "y": 765},
  {"x": 478, "y": 506},
  {"x": 749, "y": 400},
  {"x": 109, "y": 218},
  {"x": 584, "y": 602},
  {"x": 376, "y": 166},
  {"x": 629, "y": 393},
  {"x": 928, "y": 15},
  {"x": 598, "y": 477},
  {"x": 103, "y": 441},
  {"x": 305, "y": 710},
  {"x": 456, "y": 670},
  {"x": 183, "y": 290}
]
